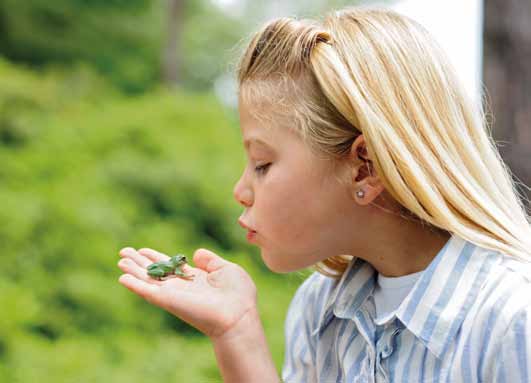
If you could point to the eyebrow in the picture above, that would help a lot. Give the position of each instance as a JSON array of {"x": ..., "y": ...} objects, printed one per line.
[{"x": 248, "y": 142}]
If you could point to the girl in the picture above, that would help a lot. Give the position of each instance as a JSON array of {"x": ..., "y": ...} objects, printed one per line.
[{"x": 368, "y": 161}]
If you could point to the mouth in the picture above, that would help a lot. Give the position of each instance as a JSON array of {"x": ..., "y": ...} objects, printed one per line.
[
  {"x": 243, "y": 225},
  {"x": 251, "y": 235}
]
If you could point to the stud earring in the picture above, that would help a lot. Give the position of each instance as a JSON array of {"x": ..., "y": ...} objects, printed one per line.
[{"x": 360, "y": 193}]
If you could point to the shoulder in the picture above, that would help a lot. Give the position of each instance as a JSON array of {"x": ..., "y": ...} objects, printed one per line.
[
  {"x": 516, "y": 268},
  {"x": 511, "y": 361},
  {"x": 510, "y": 281},
  {"x": 310, "y": 297},
  {"x": 300, "y": 346},
  {"x": 313, "y": 290},
  {"x": 507, "y": 293}
]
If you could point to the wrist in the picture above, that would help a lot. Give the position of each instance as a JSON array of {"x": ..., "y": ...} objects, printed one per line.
[
  {"x": 243, "y": 354},
  {"x": 248, "y": 326}
]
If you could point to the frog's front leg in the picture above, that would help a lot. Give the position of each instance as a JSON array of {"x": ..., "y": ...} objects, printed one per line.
[{"x": 181, "y": 274}]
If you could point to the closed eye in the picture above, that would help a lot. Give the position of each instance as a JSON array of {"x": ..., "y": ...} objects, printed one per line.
[{"x": 262, "y": 169}]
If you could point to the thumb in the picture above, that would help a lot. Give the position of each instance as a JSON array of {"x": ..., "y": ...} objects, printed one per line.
[{"x": 208, "y": 260}]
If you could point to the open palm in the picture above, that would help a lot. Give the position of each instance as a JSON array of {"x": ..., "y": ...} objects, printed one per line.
[{"x": 213, "y": 301}]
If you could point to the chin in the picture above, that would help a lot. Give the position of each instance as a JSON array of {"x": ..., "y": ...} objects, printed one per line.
[
  {"x": 270, "y": 265},
  {"x": 277, "y": 267},
  {"x": 278, "y": 270}
]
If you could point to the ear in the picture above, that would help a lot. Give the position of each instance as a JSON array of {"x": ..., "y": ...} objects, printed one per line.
[{"x": 364, "y": 176}]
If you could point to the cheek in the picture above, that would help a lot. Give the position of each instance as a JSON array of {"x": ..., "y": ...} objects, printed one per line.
[
  {"x": 301, "y": 220},
  {"x": 293, "y": 209}
]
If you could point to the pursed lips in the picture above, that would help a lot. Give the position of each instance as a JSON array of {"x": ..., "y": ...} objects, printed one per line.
[{"x": 246, "y": 227}]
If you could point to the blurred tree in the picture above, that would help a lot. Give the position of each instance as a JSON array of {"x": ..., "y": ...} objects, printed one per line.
[
  {"x": 119, "y": 38},
  {"x": 139, "y": 43},
  {"x": 136, "y": 44},
  {"x": 171, "y": 63},
  {"x": 507, "y": 75}
]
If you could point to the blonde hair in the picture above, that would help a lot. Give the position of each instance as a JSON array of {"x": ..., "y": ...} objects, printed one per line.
[{"x": 372, "y": 71}]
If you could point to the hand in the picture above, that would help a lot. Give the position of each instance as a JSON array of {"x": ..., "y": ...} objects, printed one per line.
[{"x": 219, "y": 295}]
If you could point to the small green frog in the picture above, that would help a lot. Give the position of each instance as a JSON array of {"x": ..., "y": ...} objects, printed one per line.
[{"x": 159, "y": 270}]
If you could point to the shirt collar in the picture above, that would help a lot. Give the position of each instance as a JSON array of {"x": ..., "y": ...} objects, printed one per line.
[{"x": 437, "y": 304}]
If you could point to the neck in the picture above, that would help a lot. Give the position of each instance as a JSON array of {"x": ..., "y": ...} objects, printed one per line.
[{"x": 407, "y": 249}]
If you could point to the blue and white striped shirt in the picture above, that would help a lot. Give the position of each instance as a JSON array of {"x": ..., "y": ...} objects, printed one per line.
[{"x": 467, "y": 319}]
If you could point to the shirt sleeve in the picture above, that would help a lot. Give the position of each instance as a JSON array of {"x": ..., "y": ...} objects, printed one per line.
[
  {"x": 299, "y": 359},
  {"x": 513, "y": 362}
]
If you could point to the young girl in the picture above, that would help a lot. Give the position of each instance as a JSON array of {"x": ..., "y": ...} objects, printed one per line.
[{"x": 367, "y": 160}]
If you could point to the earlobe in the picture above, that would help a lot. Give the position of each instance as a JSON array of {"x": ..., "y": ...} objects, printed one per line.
[{"x": 366, "y": 193}]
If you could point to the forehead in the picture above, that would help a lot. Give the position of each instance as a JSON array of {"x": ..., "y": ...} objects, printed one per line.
[
  {"x": 266, "y": 124},
  {"x": 255, "y": 141},
  {"x": 257, "y": 129}
]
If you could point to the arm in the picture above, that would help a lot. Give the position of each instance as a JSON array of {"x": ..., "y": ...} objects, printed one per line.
[{"x": 242, "y": 352}]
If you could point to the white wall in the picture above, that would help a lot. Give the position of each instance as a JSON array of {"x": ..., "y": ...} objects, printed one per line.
[{"x": 458, "y": 26}]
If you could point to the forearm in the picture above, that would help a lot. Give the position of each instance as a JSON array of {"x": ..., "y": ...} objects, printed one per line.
[{"x": 243, "y": 354}]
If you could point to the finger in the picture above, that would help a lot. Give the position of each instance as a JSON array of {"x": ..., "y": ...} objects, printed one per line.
[
  {"x": 129, "y": 252},
  {"x": 131, "y": 267},
  {"x": 139, "y": 287},
  {"x": 208, "y": 260},
  {"x": 153, "y": 255},
  {"x": 189, "y": 269}
]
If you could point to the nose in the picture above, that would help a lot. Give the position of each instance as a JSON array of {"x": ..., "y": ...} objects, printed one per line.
[{"x": 242, "y": 193}]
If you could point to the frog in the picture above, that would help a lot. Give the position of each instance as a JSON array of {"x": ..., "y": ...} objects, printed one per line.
[{"x": 162, "y": 269}]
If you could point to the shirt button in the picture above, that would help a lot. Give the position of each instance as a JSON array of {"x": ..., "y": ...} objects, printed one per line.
[{"x": 386, "y": 351}]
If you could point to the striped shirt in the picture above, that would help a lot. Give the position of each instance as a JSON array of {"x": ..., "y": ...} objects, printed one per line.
[{"x": 466, "y": 319}]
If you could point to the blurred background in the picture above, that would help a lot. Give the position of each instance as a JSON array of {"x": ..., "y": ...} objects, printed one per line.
[{"x": 119, "y": 127}]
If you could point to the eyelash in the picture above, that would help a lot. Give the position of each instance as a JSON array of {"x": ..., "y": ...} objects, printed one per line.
[{"x": 262, "y": 168}]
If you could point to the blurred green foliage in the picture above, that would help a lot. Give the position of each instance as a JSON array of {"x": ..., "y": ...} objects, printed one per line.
[
  {"x": 122, "y": 40},
  {"x": 85, "y": 172},
  {"x": 118, "y": 38}
]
